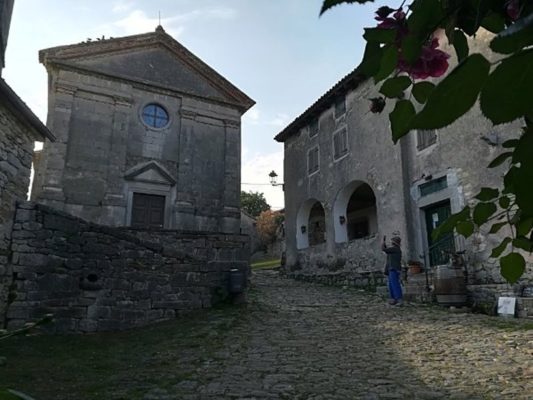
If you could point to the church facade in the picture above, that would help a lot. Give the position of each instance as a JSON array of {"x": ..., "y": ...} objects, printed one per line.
[{"x": 148, "y": 136}]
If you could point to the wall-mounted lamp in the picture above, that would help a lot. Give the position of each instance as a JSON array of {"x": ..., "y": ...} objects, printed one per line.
[
  {"x": 342, "y": 219},
  {"x": 303, "y": 228},
  {"x": 274, "y": 178}
]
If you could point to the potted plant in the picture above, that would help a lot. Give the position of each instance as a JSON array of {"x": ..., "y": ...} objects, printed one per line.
[{"x": 415, "y": 267}]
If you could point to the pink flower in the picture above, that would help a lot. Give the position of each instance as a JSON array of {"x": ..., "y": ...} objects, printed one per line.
[
  {"x": 397, "y": 21},
  {"x": 431, "y": 63},
  {"x": 512, "y": 7}
]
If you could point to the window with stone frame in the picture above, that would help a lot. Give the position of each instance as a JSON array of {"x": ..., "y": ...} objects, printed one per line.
[
  {"x": 312, "y": 160},
  {"x": 340, "y": 143},
  {"x": 313, "y": 127},
  {"x": 155, "y": 116},
  {"x": 425, "y": 138},
  {"x": 340, "y": 107}
]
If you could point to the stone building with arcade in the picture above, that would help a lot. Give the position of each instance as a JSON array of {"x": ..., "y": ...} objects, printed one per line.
[{"x": 347, "y": 185}]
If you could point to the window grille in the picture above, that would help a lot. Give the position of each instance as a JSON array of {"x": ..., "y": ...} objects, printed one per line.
[
  {"x": 433, "y": 186},
  {"x": 155, "y": 116}
]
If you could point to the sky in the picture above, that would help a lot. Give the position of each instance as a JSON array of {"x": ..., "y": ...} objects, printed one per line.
[{"x": 278, "y": 52}]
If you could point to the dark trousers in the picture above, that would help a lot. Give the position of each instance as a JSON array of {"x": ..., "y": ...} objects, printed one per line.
[{"x": 395, "y": 289}]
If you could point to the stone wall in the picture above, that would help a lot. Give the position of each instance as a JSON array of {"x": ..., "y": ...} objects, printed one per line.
[
  {"x": 354, "y": 264},
  {"x": 98, "y": 278},
  {"x": 16, "y": 143}
]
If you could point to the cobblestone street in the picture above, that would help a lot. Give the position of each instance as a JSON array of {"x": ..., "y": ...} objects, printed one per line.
[
  {"x": 293, "y": 340},
  {"x": 306, "y": 341}
]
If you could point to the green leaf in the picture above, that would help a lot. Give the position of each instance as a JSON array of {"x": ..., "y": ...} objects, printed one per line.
[
  {"x": 497, "y": 226},
  {"x": 449, "y": 224},
  {"x": 493, "y": 22},
  {"x": 394, "y": 87},
  {"x": 454, "y": 95},
  {"x": 523, "y": 243},
  {"x": 509, "y": 180},
  {"x": 504, "y": 201},
  {"x": 506, "y": 94},
  {"x": 380, "y": 35},
  {"x": 425, "y": 15},
  {"x": 7, "y": 395},
  {"x": 327, "y": 4},
  {"x": 515, "y": 37},
  {"x": 471, "y": 14},
  {"x": 422, "y": 90},
  {"x": 371, "y": 59},
  {"x": 511, "y": 143},
  {"x": 465, "y": 228},
  {"x": 388, "y": 63},
  {"x": 487, "y": 194},
  {"x": 500, "y": 159},
  {"x": 460, "y": 44},
  {"x": 523, "y": 188},
  {"x": 524, "y": 226},
  {"x": 512, "y": 267},
  {"x": 500, "y": 248},
  {"x": 400, "y": 118},
  {"x": 412, "y": 47},
  {"x": 482, "y": 212}
]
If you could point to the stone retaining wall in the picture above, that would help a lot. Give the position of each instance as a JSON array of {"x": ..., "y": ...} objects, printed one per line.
[
  {"x": 357, "y": 263},
  {"x": 97, "y": 278}
]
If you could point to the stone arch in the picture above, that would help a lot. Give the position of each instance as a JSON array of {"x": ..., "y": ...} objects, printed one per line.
[
  {"x": 354, "y": 212},
  {"x": 310, "y": 224}
]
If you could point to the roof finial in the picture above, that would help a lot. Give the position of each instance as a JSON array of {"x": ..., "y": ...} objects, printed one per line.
[{"x": 159, "y": 27}]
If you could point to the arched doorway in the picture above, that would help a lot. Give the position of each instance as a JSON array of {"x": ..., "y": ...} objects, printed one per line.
[
  {"x": 310, "y": 224},
  {"x": 354, "y": 212}
]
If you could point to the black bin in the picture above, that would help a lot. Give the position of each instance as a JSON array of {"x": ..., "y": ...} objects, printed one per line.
[{"x": 237, "y": 281}]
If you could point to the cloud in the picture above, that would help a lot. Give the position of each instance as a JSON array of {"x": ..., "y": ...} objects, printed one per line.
[
  {"x": 255, "y": 177},
  {"x": 280, "y": 120},
  {"x": 252, "y": 116},
  {"x": 137, "y": 21},
  {"x": 121, "y": 6}
]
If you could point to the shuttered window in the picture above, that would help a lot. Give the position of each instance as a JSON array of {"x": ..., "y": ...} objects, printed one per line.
[
  {"x": 340, "y": 107},
  {"x": 148, "y": 211},
  {"x": 312, "y": 160},
  {"x": 425, "y": 138},
  {"x": 313, "y": 127},
  {"x": 340, "y": 143}
]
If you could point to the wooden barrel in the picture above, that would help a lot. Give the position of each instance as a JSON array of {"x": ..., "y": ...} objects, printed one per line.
[{"x": 450, "y": 286}]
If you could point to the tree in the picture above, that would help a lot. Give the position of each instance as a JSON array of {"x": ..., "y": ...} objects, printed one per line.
[
  {"x": 402, "y": 52},
  {"x": 253, "y": 203},
  {"x": 268, "y": 223}
]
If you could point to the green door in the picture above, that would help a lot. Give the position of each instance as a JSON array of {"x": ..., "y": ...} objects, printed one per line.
[{"x": 439, "y": 251}]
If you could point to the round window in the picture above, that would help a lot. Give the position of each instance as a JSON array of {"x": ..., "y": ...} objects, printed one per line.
[{"x": 155, "y": 116}]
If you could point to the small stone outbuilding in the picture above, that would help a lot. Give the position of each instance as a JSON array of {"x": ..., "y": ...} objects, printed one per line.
[{"x": 19, "y": 130}]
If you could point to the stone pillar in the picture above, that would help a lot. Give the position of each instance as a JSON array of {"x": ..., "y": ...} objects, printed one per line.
[
  {"x": 231, "y": 215},
  {"x": 184, "y": 205},
  {"x": 115, "y": 200},
  {"x": 55, "y": 154}
]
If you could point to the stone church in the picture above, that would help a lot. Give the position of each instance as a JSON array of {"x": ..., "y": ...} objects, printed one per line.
[
  {"x": 148, "y": 135},
  {"x": 347, "y": 186},
  {"x": 135, "y": 215}
]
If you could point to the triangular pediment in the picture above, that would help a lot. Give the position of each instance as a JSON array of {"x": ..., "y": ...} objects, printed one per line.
[
  {"x": 153, "y": 59},
  {"x": 151, "y": 172}
]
